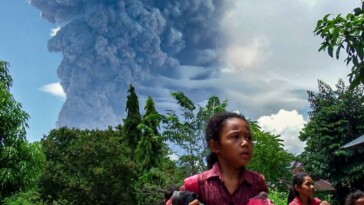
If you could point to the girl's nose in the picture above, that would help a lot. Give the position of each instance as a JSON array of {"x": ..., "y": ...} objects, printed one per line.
[{"x": 244, "y": 142}]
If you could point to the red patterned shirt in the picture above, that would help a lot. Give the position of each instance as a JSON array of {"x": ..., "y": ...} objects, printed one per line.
[
  {"x": 296, "y": 201},
  {"x": 213, "y": 192}
]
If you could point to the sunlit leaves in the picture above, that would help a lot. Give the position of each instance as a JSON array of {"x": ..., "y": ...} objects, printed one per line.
[
  {"x": 345, "y": 33},
  {"x": 21, "y": 162}
]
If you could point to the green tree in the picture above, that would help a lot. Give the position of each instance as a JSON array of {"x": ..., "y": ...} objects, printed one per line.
[
  {"x": 336, "y": 118},
  {"x": 20, "y": 162},
  {"x": 151, "y": 148},
  {"x": 151, "y": 184},
  {"x": 278, "y": 198},
  {"x": 30, "y": 197},
  {"x": 188, "y": 132},
  {"x": 133, "y": 120},
  {"x": 158, "y": 170},
  {"x": 345, "y": 33},
  {"x": 269, "y": 151},
  {"x": 87, "y": 167}
]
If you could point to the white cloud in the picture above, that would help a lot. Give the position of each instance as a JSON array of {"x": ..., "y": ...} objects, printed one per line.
[
  {"x": 54, "y": 89},
  {"x": 247, "y": 56},
  {"x": 54, "y": 31},
  {"x": 287, "y": 124},
  {"x": 270, "y": 60},
  {"x": 310, "y": 2},
  {"x": 245, "y": 49}
]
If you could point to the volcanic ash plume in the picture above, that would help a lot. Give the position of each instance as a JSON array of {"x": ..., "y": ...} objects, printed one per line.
[{"x": 109, "y": 44}]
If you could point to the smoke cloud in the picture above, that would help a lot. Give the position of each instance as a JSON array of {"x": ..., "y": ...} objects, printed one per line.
[{"x": 109, "y": 44}]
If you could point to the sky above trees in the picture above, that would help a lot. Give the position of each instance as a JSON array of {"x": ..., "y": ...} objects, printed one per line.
[{"x": 268, "y": 63}]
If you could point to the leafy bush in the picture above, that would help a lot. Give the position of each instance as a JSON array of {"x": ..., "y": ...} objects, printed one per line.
[
  {"x": 31, "y": 197},
  {"x": 278, "y": 198}
]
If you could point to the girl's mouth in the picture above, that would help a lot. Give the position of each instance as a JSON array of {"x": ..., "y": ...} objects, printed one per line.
[{"x": 245, "y": 154}]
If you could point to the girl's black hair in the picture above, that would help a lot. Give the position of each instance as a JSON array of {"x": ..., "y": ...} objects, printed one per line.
[
  {"x": 352, "y": 197},
  {"x": 298, "y": 180},
  {"x": 213, "y": 130}
]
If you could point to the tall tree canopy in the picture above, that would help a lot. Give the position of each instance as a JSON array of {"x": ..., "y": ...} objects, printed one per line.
[
  {"x": 151, "y": 148},
  {"x": 133, "y": 119},
  {"x": 13, "y": 119},
  {"x": 345, "y": 33},
  {"x": 188, "y": 132},
  {"x": 337, "y": 117},
  {"x": 87, "y": 167},
  {"x": 20, "y": 162}
]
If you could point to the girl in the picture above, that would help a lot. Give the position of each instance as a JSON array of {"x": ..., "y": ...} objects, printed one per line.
[
  {"x": 356, "y": 198},
  {"x": 302, "y": 191},
  {"x": 227, "y": 181}
]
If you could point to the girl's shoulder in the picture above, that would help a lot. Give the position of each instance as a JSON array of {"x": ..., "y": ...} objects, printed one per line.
[
  {"x": 192, "y": 183},
  {"x": 315, "y": 201}
]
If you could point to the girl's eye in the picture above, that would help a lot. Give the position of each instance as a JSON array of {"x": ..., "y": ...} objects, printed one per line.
[
  {"x": 241, "y": 137},
  {"x": 235, "y": 137}
]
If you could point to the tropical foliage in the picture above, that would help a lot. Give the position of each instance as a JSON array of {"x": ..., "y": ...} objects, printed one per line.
[
  {"x": 278, "y": 197},
  {"x": 21, "y": 162},
  {"x": 269, "y": 150},
  {"x": 132, "y": 163},
  {"x": 30, "y": 197},
  {"x": 133, "y": 119},
  {"x": 345, "y": 33},
  {"x": 151, "y": 147},
  {"x": 188, "y": 132},
  {"x": 157, "y": 170},
  {"x": 336, "y": 118},
  {"x": 87, "y": 167}
]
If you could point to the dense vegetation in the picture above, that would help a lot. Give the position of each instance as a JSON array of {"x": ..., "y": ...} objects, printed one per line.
[
  {"x": 21, "y": 163},
  {"x": 132, "y": 163},
  {"x": 127, "y": 164},
  {"x": 336, "y": 118}
]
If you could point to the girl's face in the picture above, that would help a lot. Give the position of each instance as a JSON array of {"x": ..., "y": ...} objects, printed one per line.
[
  {"x": 235, "y": 146},
  {"x": 359, "y": 201},
  {"x": 306, "y": 189}
]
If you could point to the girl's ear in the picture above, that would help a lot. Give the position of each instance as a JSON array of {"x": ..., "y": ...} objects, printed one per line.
[
  {"x": 214, "y": 146},
  {"x": 297, "y": 188}
]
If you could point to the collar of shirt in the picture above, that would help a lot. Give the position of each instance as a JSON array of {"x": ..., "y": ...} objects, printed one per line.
[
  {"x": 216, "y": 172},
  {"x": 297, "y": 201},
  {"x": 313, "y": 201}
]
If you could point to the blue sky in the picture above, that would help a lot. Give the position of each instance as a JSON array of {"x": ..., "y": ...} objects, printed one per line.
[
  {"x": 270, "y": 63},
  {"x": 23, "y": 41}
]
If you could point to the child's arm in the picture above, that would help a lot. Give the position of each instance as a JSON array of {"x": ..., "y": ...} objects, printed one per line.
[{"x": 194, "y": 202}]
